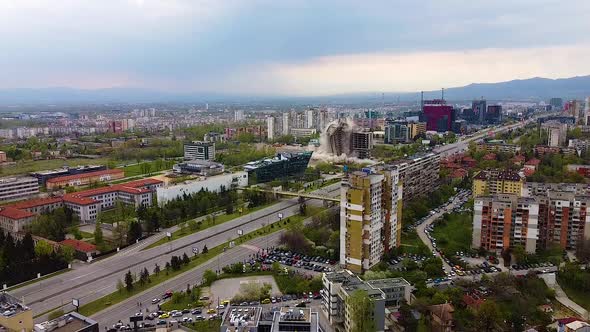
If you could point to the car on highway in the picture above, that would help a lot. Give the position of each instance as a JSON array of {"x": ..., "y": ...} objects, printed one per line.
[{"x": 156, "y": 300}]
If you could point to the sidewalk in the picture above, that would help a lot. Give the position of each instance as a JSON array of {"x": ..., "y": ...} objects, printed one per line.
[{"x": 561, "y": 296}]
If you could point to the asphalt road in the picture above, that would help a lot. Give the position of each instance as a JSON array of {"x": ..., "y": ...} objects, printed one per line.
[
  {"x": 92, "y": 281},
  {"x": 432, "y": 218}
]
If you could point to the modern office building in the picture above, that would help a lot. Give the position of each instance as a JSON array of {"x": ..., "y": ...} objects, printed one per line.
[
  {"x": 13, "y": 188},
  {"x": 370, "y": 217},
  {"x": 84, "y": 179},
  {"x": 270, "y": 128},
  {"x": 419, "y": 174},
  {"x": 199, "y": 151},
  {"x": 338, "y": 286},
  {"x": 479, "y": 108},
  {"x": 439, "y": 116},
  {"x": 556, "y": 103},
  {"x": 491, "y": 182},
  {"x": 493, "y": 114},
  {"x": 283, "y": 165},
  {"x": 198, "y": 167},
  {"x": 14, "y": 316},
  {"x": 396, "y": 131}
]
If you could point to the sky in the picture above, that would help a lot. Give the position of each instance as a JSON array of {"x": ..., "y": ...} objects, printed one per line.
[{"x": 284, "y": 47}]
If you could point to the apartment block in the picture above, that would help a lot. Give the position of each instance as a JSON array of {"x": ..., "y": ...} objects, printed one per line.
[
  {"x": 556, "y": 133},
  {"x": 338, "y": 286},
  {"x": 199, "y": 150},
  {"x": 491, "y": 182},
  {"x": 547, "y": 214},
  {"x": 370, "y": 213},
  {"x": 12, "y": 188},
  {"x": 419, "y": 175},
  {"x": 416, "y": 128},
  {"x": 362, "y": 144},
  {"x": 497, "y": 146}
]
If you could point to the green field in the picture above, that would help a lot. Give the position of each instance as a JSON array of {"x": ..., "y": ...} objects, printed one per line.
[
  {"x": 580, "y": 297},
  {"x": 95, "y": 306},
  {"x": 454, "y": 234},
  {"x": 204, "y": 326},
  {"x": 412, "y": 244},
  {"x": 154, "y": 167},
  {"x": 218, "y": 220},
  {"x": 28, "y": 166},
  {"x": 181, "y": 300}
]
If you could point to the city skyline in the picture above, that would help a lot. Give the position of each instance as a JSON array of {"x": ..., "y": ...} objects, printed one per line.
[{"x": 291, "y": 48}]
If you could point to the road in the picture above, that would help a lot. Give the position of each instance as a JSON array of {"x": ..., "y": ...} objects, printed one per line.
[
  {"x": 463, "y": 144},
  {"x": 432, "y": 218},
  {"x": 92, "y": 281},
  {"x": 123, "y": 310}
]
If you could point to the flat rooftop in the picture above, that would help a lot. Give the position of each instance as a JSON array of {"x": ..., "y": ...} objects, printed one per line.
[
  {"x": 10, "y": 306},
  {"x": 70, "y": 322},
  {"x": 236, "y": 318}
]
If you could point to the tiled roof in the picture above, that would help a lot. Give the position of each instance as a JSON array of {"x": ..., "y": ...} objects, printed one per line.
[
  {"x": 533, "y": 162},
  {"x": 36, "y": 202},
  {"x": 142, "y": 183},
  {"x": 14, "y": 213},
  {"x": 79, "y": 245},
  {"x": 85, "y": 175}
]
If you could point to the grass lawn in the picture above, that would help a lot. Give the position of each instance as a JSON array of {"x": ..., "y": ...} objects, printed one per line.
[
  {"x": 95, "y": 306},
  {"x": 38, "y": 165},
  {"x": 86, "y": 235},
  {"x": 454, "y": 234},
  {"x": 180, "y": 300},
  {"x": 218, "y": 220},
  {"x": 412, "y": 244},
  {"x": 204, "y": 325},
  {"x": 576, "y": 295},
  {"x": 155, "y": 166}
]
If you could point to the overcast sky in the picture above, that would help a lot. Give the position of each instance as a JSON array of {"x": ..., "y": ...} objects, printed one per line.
[{"x": 282, "y": 47}]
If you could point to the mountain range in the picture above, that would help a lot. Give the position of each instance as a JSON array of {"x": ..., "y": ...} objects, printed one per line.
[{"x": 532, "y": 89}]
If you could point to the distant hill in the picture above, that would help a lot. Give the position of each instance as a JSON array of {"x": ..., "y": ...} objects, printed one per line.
[{"x": 533, "y": 89}]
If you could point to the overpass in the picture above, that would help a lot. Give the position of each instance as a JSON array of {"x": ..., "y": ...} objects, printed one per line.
[{"x": 301, "y": 194}]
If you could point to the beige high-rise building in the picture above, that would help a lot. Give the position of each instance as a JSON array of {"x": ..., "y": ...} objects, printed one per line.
[{"x": 370, "y": 217}]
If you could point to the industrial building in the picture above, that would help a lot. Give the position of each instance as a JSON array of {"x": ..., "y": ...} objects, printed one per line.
[
  {"x": 199, "y": 150},
  {"x": 283, "y": 165},
  {"x": 491, "y": 182},
  {"x": 13, "y": 188},
  {"x": 338, "y": 286},
  {"x": 84, "y": 179},
  {"x": 370, "y": 212},
  {"x": 419, "y": 174}
]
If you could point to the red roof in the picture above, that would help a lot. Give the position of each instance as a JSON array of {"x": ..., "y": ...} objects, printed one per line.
[
  {"x": 36, "y": 202},
  {"x": 459, "y": 173},
  {"x": 79, "y": 245},
  {"x": 529, "y": 171},
  {"x": 490, "y": 156},
  {"x": 142, "y": 183},
  {"x": 564, "y": 321},
  {"x": 14, "y": 213},
  {"x": 86, "y": 175},
  {"x": 533, "y": 162},
  {"x": 473, "y": 302}
]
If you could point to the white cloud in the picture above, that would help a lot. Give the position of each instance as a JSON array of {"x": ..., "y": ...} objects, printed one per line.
[{"x": 404, "y": 72}]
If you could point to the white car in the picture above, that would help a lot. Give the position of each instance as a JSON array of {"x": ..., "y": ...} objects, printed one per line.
[
  {"x": 221, "y": 306},
  {"x": 154, "y": 301}
]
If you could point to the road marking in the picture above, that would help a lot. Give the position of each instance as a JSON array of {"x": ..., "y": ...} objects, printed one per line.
[{"x": 82, "y": 276}]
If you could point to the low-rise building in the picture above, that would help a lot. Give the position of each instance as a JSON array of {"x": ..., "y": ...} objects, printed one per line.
[
  {"x": 441, "y": 317},
  {"x": 338, "y": 286},
  {"x": 498, "y": 146},
  {"x": 70, "y": 322},
  {"x": 13, "y": 188},
  {"x": 295, "y": 319},
  {"x": 199, "y": 167},
  {"x": 84, "y": 179},
  {"x": 302, "y": 132},
  {"x": 43, "y": 176},
  {"x": 583, "y": 170},
  {"x": 14, "y": 315},
  {"x": 214, "y": 183},
  {"x": 541, "y": 150},
  {"x": 241, "y": 319}
]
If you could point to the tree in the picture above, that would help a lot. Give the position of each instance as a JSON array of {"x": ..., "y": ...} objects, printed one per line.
[
  {"x": 28, "y": 247},
  {"x": 120, "y": 286},
  {"x": 157, "y": 269},
  {"x": 98, "y": 237},
  {"x": 520, "y": 255},
  {"x": 67, "y": 253},
  {"x": 128, "y": 281},
  {"x": 361, "y": 315},
  {"x": 209, "y": 277},
  {"x": 185, "y": 259},
  {"x": 43, "y": 249},
  {"x": 134, "y": 232},
  {"x": 144, "y": 276},
  {"x": 192, "y": 225},
  {"x": 302, "y": 206},
  {"x": 205, "y": 250},
  {"x": 276, "y": 267},
  {"x": 488, "y": 317}
]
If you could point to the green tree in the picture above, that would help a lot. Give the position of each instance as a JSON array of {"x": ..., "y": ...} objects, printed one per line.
[
  {"x": 360, "y": 307},
  {"x": 209, "y": 277},
  {"x": 120, "y": 286},
  {"x": 98, "y": 237},
  {"x": 43, "y": 249},
  {"x": 488, "y": 317},
  {"x": 67, "y": 253},
  {"x": 128, "y": 281}
]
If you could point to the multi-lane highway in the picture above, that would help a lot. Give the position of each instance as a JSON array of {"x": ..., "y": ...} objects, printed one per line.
[{"x": 92, "y": 281}]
